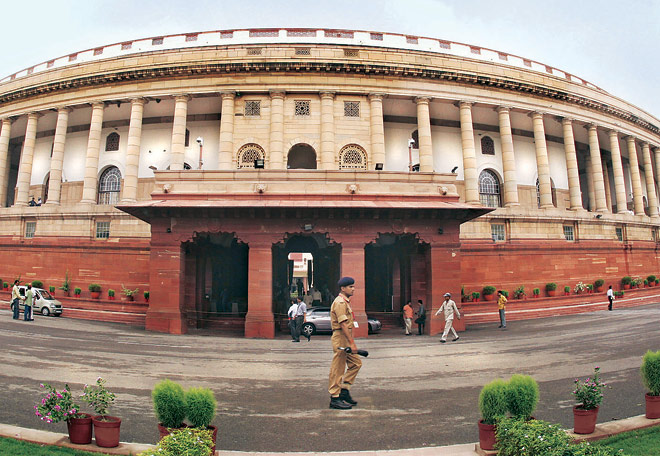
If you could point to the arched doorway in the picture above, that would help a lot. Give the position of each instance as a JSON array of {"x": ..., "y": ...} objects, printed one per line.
[{"x": 301, "y": 156}]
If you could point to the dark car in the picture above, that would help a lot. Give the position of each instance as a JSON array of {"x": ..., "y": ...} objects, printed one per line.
[{"x": 318, "y": 321}]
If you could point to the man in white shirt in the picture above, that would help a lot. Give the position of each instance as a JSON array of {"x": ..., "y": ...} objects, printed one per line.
[
  {"x": 610, "y": 297},
  {"x": 292, "y": 319},
  {"x": 449, "y": 308},
  {"x": 300, "y": 318}
]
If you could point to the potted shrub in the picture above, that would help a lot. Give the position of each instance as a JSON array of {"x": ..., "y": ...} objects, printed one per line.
[
  {"x": 76, "y": 292},
  {"x": 488, "y": 293},
  {"x": 522, "y": 396},
  {"x": 111, "y": 294},
  {"x": 590, "y": 288},
  {"x": 146, "y": 296},
  {"x": 190, "y": 442},
  {"x": 651, "y": 378},
  {"x": 567, "y": 290},
  {"x": 636, "y": 282},
  {"x": 579, "y": 288},
  {"x": 130, "y": 294},
  {"x": 58, "y": 406},
  {"x": 106, "y": 427},
  {"x": 657, "y": 282},
  {"x": 493, "y": 406},
  {"x": 200, "y": 409},
  {"x": 536, "y": 292},
  {"x": 551, "y": 288},
  {"x": 66, "y": 286},
  {"x": 52, "y": 290},
  {"x": 37, "y": 284},
  {"x": 5, "y": 285},
  {"x": 519, "y": 293},
  {"x": 475, "y": 296},
  {"x": 598, "y": 283},
  {"x": 626, "y": 282},
  {"x": 646, "y": 283},
  {"x": 589, "y": 394},
  {"x": 95, "y": 290},
  {"x": 169, "y": 406}
]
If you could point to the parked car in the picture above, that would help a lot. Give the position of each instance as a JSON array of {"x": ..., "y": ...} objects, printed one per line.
[
  {"x": 318, "y": 321},
  {"x": 42, "y": 303}
]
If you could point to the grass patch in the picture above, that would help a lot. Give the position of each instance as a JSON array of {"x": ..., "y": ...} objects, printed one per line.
[
  {"x": 13, "y": 447},
  {"x": 644, "y": 442}
]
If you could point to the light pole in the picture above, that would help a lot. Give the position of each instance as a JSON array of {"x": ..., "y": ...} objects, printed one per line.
[
  {"x": 200, "y": 141},
  {"x": 411, "y": 143}
]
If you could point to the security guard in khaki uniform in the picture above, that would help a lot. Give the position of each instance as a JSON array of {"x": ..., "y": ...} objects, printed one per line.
[{"x": 345, "y": 366}]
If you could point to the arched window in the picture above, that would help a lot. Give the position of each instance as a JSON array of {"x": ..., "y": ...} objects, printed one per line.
[
  {"x": 489, "y": 189},
  {"x": 187, "y": 140},
  {"x": 248, "y": 154},
  {"x": 553, "y": 192},
  {"x": 186, "y": 166},
  {"x": 109, "y": 186},
  {"x": 487, "y": 146},
  {"x": 352, "y": 156},
  {"x": 112, "y": 142}
]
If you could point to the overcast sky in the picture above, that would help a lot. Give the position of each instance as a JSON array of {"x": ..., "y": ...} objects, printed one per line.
[{"x": 611, "y": 43}]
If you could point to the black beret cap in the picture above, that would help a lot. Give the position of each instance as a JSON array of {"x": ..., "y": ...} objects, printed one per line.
[{"x": 345, "y": 281}]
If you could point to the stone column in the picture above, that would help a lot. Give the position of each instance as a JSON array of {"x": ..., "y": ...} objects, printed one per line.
[
  {"x": 596, "y": 169},
  {"x": 129, "y": 192},
  {"x": 352, "y": 264},
  {"x": 617, "y": 170},
  {"x": 650, "y": 184},
  {"x": 572, "y": 166},
  {"x": 27, "y": 155},
  {"x": 226, "y": 149},
  {"x": 590, "y": 183},
  {"x": 608, "y": 190},
  {"x": 377, "y": 128},
  {"x": 657, "y": 165},
  {"x": 5, "y": 135},
  {"x": 178, "y": 147},
  {"x": 276, "y": 159},
  {"x": 508, "y": 159},
  {"x": 470, "y": 177},
  {"x": 259, "y": 320},
  {"x": 328, "y": 130},
  {"x": 91, "y": 181},
  {"x": 636, "y": 184},
  {"x": 542, "y": 165},
  {"x": 424, "y": 135},
  {"x": 55, "y": 178}
]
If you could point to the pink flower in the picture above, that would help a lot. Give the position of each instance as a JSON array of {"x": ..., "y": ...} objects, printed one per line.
[{"x": 57, "y": 407}]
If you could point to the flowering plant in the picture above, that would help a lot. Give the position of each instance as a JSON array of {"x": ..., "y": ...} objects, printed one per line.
[
  {"x": 98, "y": 397},
  {"x": 589, "y": 392},
  {"x": 580, "y": 287},
  {"x": 57, "y": 406}
]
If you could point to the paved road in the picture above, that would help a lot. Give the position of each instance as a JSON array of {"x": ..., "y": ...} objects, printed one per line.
[{"x": 413, "y": 391}]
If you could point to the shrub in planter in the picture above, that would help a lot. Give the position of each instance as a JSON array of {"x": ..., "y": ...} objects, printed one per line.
[
  {"x": 522, "y": 396},
  {"x": 651, "y": 279},
  {"x": 488, "y": 292},
  {"x": 130, "y": 294},
  {"x": 58, "y": 406},
  {"x": 599, "y": 283},
  {"x": 169, "y": 404},
  {"x": 626, "y": 281},
  {"x": 519, "y": 292},
  {"x": 475, "y": 295},
  {"x": 37, "y": 284},
  {"x": 66, "y": 285},
  {"x": 646, "y": 283},
  {"x": 551, "y": 288},
  {"x": 51, "y": 289},
  {"x": 200, "y": 408},
  {"x": 536, "y": 292},
  {"x": 106, "y": 427},
  {"x": 95, "y": 290},
  {"x": 493, "y": 407},
  {"x": 189, "y": 442},
  {"x": 651, "y": 378},
  {"x": 111, "y": 293},
  {"x": 5, "y": 285},
  {"x": 146, "y": 296},
  {"x": 567, "y": 290},
  {"x": 77, "y": 291},
  {"x": 590, "y": 288},
  {"x": 589, "y": 394}
]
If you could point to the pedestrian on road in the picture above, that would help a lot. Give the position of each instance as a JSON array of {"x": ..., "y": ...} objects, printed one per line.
[
  {"x": 610, "y": 297},
  {"x": 449, "y": 308},
  {"x": 501, "y": 301},
  {"x": 421, "y": 318},
  {"x": 345, "y": 366},
  {"x": 16, "y": 298},
  {"x": 27, "y": 312},
  {"x": 292, "y": 319},
  {"x": 407, "y": 317},
  {"x": 301, "y": 311}
]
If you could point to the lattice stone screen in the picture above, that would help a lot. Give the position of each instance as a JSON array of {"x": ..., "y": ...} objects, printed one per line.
[
  {"x": 352, "y": 156},
  {"x": 248, "y": 154}
]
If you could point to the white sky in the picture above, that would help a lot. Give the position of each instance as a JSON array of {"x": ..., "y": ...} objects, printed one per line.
[{"x": 611, "y": 43}]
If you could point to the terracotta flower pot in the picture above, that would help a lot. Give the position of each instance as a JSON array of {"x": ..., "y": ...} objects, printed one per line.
[
  {"x": 626, "y": 286},
  {"x": 552, "y": 293},
  {"x": 652, "y": 406},
  {"x": 489, "y": 297},
  {"x": 214, "y": 437},
  {"x": 599, "y": 289},
  {"x": 584, "y": 421},
  {"x": 95, "y": 294},
  {"x": 107, "y": 431},
  {"x": 486, "y": 435},
  {"x": 80, "y": 429}
]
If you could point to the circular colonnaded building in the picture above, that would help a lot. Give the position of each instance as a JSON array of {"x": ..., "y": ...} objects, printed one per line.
[{"x": 201, "y": 166}]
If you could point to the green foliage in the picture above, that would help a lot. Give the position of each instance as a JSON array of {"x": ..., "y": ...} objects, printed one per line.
[
  {"x": 550, "y": 286},
  {"x": 536, "y": 291},
  {"x": 95, "y": 287},
  {"x": 200, "y": 406},
  {"x": 169, "y": 403},
  {"x": 111, "y": 292},
  {"x": 51, "y": 289},
  {"x": 66, "y": 286},
  {"x": 462, "y": 290},
  {"x": 619, "y": 293},
  {"x": 590, "y": 286},
  {"x": 505, "y": 293},
  {"x": 651, "y": 278},
  {"x": 488, "y": 290},
  {"x": 77, "y": 291},
  {"x": 5, "y": 285},
  {"x": 98, "y": 397},
  {"x": 651, "y": 372},
  {"x": 493, "y": 401},
  {"x": 519, "y": 292},
  {"x": 188, "y": 442},
  {"x": 589, "y": 393},
  {"x": 37, "y": 284},
  {"x": 128, "y": 292},
  {"x": 627, "y": 280},
  {"x": 12, "y": 447},
  {"x": 567, "y": 289},
  {"x": 522, "y": 396},
  {"x": 599, "y": 283},
  {"x": 643, "y": 442},
  {"x": 146, "y": 295},
  {"x": 56, "y": 406},
  {"x": 476, "y": 294},
  {"x": 646, "y": 282}
]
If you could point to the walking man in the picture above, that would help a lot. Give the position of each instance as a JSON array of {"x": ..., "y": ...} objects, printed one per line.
[
  {"x": 15, "y": 298},
  {"x": 27, "y": 313},
  {"x": 501, "y": 301},
  {"x": 449, "y": 308},
  {"x": 421, "y": 318},
  {"x": 345, "y": 366},
  {"x": 292, "y": 319},
  {"x": 610, "y": 297},
  {"x": 300, "y": 318},
  {"x": 407, "y": 317}
]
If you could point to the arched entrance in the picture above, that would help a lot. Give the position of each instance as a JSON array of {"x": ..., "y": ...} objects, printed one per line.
[{"x": 301, "y": 156}]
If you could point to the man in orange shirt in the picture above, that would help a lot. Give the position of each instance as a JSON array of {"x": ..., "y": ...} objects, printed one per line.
[{"x": 407, "y": 318}]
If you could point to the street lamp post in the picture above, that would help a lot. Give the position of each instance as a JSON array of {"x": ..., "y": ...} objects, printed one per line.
[
  {"x": 411, "y": 143},
  {"x": 200, "y": 141}
]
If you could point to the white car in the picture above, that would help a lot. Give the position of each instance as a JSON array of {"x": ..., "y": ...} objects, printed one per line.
[{"x": 42, "y": 302}]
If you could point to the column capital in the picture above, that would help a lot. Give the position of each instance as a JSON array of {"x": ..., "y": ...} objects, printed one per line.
[
  {"x": 536, "y": 114},
  {"x": 612, "y": 132},
  {"x": 228, "y": 94},
  {"x": 644, "y": 144},
  {"x": 277, "y": 94},
  {"x": 9, "y": 119},
  {"x": 94, "y": 103},
  {"x": 376, "y": 96},
  {"x": 591, "y": 126},
  {"x": 181, "y": 96},
  {"x": 503, "y": 108},
  {"x": 567, "y": 120},
  {"x": 138, "y": 100},
  {"x": 461, "y": 103},
  {"x": 64, "y": 108},
  {"x": 630, "y": 138},
  {"x": 34, "y": 115},
  {"x": 326, "y": 94},
  {"x": 422, "y": 100}
]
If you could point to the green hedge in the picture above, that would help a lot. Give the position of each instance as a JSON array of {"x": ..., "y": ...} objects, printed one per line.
[{"x": 651, "y": 372}]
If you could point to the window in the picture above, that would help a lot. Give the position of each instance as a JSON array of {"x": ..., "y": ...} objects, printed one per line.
[
  {"x": 191, "y": 37},
  {"x": 619, "y": 233},
  {"x": 186, "y": 166},
  {"x": 352, "y": 156},
  {"x": 351, "y": 109},
  {"x": 475, "y": 50},
  {"x": 253, "y": 108},
  {"x": 187, "y": 140},
  {"x": 109, "y": 186},
  {"x": 568, "y": 233},
  {"x": 226, "y": 34},
  {"x": 302, "y": 51},
  {"x": 156, "y": 41},
  {"x": 411, "y": 39},
  {"x": 112, "y": 142},
  {"x": 126, "y": 46},
  {"x": 30, "y": 229},
  {"x": 73, "y": 57},
  {"x": 489, "y": 189},
  {"x": 302, "y": 107},
  {"x": 444, "y": 44},
  {"x": 377, "y": 36},
  {"x": 102, "y": 230},
  {"x": 98, "y": 51},
  {"x": 498, "y": 232},
  {"x": 487, "y": 146},
  {"x": 338, "y": 34},
  {"x": 305, "y": 33},
  {"x": 264, "y": 33},
  {"x": 248, "y": 154}
]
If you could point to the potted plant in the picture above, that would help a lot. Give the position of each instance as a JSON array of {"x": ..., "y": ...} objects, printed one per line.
[
  {"x": 106, "y": 427},
  {"x": 475, "y": 296},
  {"x": 651, "y": 378},
  {"x": 488, "y": 293},
  {"x": 626, "y": 281},
  {"x": 95, "y": 290},
  {"x": 130, "y": 294},
  {"x": 519, "y": 293},
  {"x": 52, "y": 290},
  {"x": 58, "y": 406},
  {"x": 37, "y": 284},
  {"x": 536, "y": 292},
  {"x": 589, "y": 394},
  {"x": 551, "y": 288},
  {"x": 5, "y": 285},
  {"x": 66, "y": 286},
  {"x": 76, "y": 292},
  {"x": 579, "y": 288},
  {"x": 169, "y": 406},
  {"x": 657, "y": 282},
  {"x": 598, "y": 283},
  {"x": 493, "y": 406},
  {"x": 590, "y": 288},
  {"x": 200, "y": 409},
  {"x": 111, "y": 294},
  {"x": 522, "y": 396},
  {"x": 567, "y": 290},
  {"x": 146, "y": 296},
  {"x": 464, "y": 297},
  {"x": 636, "y": 282},
  {"x": 646, "y": 283},
  {"x": 189, "y": 442}
]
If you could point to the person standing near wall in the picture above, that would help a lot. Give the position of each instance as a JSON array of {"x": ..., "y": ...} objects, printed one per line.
[
  {"x": 449, "y": 308},
  {"x": 292, "y": 319},
  {"x": 610, "y": 297},
  {"x": 301, "y": 311},
  {"x": 421, "y": 318},
  {"x": 29, "y": 294},
  {"x": 16, "y": 299},
  {"x": 407, "y": 317},
  {"x": 501, "y": 301}
]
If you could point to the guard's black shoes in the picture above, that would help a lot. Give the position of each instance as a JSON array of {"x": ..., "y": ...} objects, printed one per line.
[
  {"x": 345, "y": 396},
  {"x": 337, "y": 403}
]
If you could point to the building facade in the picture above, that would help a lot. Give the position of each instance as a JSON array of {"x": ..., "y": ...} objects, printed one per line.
[{"x": 193, "y": 165}]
